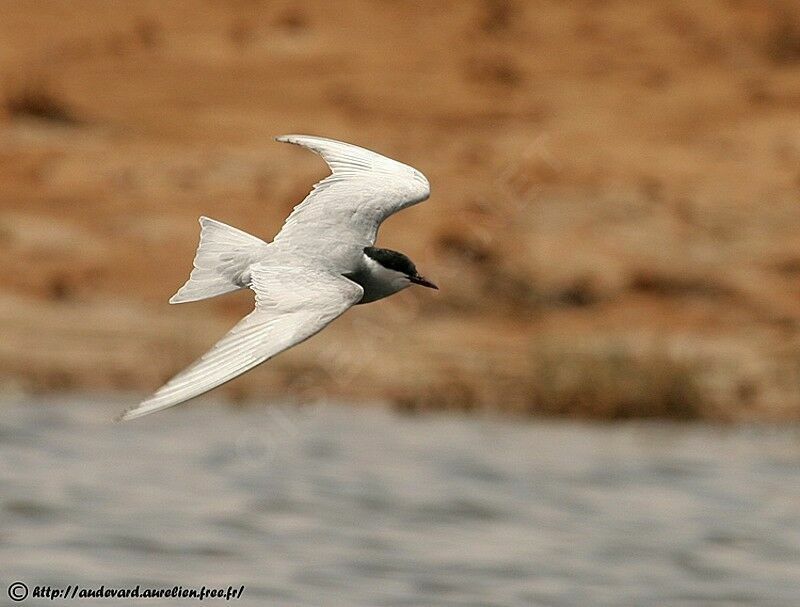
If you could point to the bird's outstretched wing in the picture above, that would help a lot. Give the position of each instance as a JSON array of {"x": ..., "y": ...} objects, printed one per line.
[
  {"x": 292, "y": 304},
  {"x": 350, "y": 204}
]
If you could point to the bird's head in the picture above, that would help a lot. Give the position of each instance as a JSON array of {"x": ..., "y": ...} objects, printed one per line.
[{"x": 397, "y": 268}]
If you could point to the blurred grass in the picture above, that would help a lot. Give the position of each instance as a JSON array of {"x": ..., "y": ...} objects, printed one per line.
[{"x": 616, "y": 384}]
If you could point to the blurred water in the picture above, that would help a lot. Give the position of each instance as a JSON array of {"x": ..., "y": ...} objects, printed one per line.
[{"x": 341, "y": 506}]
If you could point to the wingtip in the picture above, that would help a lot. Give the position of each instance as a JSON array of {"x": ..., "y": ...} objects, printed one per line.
[
  {"x": 132, "y": 413},
  {"x": 303, "y": 140},
  {"x": 122, "y": 417}
]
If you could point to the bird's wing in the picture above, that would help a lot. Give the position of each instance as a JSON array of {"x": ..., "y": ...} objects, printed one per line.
[
  {"x": 350, "y": 204},
  {"x": 292, "y": 304}
]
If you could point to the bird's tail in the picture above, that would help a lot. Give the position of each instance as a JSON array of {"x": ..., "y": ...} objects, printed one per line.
[{"x": 221, "y": 262}]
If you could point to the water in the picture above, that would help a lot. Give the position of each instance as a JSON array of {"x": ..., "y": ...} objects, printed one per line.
[{"x": 346, "y": 506}]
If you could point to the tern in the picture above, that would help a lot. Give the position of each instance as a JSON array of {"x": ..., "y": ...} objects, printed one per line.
[{"x": 322, "y": 262}]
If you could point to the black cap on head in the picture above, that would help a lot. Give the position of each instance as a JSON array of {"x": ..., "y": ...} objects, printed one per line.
[
  {"x": 399, "y": 263},
  {"x": 392, "y": 260}
]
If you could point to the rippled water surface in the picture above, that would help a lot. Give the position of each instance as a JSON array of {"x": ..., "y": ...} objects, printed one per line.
[{"x": 347, "y": 506}]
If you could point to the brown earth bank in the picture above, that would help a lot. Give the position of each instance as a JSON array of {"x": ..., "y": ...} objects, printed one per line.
[{"x": 614, "y": 219}]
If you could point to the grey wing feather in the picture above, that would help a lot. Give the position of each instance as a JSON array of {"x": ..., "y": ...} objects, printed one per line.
[
  {"x": 292, "y": 304},
  {"x": 363, "y": 190}
]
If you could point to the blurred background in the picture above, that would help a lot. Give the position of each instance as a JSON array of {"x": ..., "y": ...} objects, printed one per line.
[
  {"x": 613, "y": 225},
  {"x": 614, "y": 219}
]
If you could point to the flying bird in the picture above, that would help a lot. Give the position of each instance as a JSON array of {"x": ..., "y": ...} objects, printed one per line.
[{"x": 322, "y": 262}]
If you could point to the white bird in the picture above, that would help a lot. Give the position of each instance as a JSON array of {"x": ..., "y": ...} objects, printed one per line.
[{"x": 321, "y": 262}]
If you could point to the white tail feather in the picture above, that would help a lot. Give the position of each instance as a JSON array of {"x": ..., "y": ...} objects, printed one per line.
[{"x": 221, "y": 262}]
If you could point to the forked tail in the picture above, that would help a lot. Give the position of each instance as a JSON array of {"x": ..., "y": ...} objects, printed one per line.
[{"x": 221, "y": 262}]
